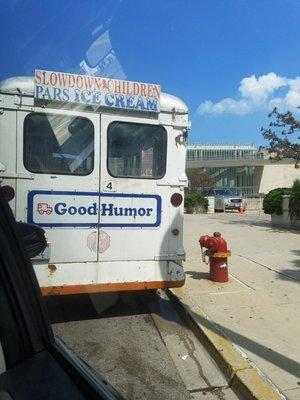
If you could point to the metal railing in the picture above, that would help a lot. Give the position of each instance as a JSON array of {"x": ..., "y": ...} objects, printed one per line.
[{"x": 255, "y": 156}]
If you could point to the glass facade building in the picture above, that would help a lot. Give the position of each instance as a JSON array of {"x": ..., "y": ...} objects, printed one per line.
[
  {"x": 241, "y": 179},
  {"x": 222, "y": 152}
]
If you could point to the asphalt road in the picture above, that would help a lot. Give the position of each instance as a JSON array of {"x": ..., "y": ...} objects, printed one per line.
[{"x": 140, "y": 345}]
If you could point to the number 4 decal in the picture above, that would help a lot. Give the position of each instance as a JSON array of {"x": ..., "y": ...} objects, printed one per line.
[{"x": 109, "y": 186}]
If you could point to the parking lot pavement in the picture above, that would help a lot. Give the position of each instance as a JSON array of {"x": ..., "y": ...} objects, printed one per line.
[
  {"x": 259, "y": 308},
  {"x": 141, "y": 345}
]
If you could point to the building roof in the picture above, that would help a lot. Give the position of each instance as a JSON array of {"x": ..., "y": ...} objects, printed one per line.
[{"x": 221, "y": 147}]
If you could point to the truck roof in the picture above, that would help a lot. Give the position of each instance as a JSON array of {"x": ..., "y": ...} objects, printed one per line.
[{"x": 25, "y": 85}]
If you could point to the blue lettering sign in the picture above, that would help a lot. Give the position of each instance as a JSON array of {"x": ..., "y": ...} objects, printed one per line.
[
  {"x": 107, "y": 208},
  {"x": 120, "y": 101},
  {"x": 66, "y": 95},
  {"x": 77, "y": 95},
  {"x": 109, "y": 100},
  {"x": 86, "y": 96},
  {"x": 130, "y": 103},
  {"x": 60, "y": 208},
  {"x": 96, "y": 98},
  {"x": 92, "y": 210},
  {"x": 152, "y": 105},
  {"x": 140, "y": 104},
  {"x": 38, "y": 90},
  {"x": 83, "y": 209}
]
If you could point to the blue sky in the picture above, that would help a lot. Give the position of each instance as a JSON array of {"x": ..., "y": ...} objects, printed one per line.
[{"x": 230, "y": 61}]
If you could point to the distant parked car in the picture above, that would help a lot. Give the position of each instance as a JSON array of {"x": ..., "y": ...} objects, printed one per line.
[{"x": 226, "y": 199}]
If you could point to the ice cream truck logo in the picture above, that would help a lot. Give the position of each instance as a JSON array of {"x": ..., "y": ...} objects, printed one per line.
[
  {"x": 91, "y": 209},
  {"x": 44, "y": 208}
]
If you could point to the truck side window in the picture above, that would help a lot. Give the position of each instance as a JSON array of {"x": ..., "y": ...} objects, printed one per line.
[
  {"x": 58, "y": 144},
  {"x": 136, "y": 150}
]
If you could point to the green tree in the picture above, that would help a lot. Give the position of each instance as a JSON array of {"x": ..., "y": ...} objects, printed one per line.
[
  {"x": 194, "y": 199},
  {"x": 294, "y": 203},
  {"x": 283, "y": 136},
  {"x": 200, "y": 178},
  {"x": 272, "y": 203}
]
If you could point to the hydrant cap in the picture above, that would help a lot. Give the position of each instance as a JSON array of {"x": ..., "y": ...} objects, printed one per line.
[{"x": 217, "y": 234}]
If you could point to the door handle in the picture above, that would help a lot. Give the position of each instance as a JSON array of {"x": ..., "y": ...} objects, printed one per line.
[{"x": 173, "y": 184}]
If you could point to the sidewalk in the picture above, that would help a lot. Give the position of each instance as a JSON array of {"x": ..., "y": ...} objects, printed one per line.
[{"x": 259, "y": 309}]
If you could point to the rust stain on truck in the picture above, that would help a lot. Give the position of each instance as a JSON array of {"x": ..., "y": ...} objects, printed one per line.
[{"x": 52, "y": 268}]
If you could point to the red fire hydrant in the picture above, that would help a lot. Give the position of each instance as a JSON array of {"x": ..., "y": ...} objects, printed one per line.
[{"x": 217, "y": 253}]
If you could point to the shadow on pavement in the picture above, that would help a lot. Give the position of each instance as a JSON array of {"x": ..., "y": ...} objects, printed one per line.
[
  {"x": 198, "y": 275},
  {"x": 285, "y": 363},
  {"x": 272, "y": 356},
  {"x": 99, "y": 305},
  {"x": 72, "y": 308},
  {"x": 288, "y": 274},
  {"x": 261, "y": 224},
  {"x": 258, "y": 219}
]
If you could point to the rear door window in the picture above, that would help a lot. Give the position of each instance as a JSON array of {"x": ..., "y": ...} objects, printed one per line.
[
  {"x": 136, "y": 150},
  {"x": 58, "y": 144}
]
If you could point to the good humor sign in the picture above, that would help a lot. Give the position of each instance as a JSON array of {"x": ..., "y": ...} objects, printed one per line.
[
  {"x": 96, "y": 91},
  {"x": 86, "y": 209}
]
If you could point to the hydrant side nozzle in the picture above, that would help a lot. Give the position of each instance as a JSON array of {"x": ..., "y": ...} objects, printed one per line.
[{"x": 202, "y": 240}]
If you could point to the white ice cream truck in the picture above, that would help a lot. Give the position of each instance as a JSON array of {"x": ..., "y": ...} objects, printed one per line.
[{"x": 99, "y": 164}]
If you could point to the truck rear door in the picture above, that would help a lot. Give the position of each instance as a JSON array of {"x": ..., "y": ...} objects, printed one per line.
[
  {"x": 134, "y": 217},
  {"x": 62, "y": 151}
]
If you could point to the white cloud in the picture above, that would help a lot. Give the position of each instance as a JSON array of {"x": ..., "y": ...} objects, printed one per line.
[
  {"x": 258, "y": 89},
  {"x": 292, "y": 99},
  {"x": 258, "y": 93},
  {"x": 226, "y": 105},
  {"x": 276, "y": 102},
  {"x": 295, "y": 83}
]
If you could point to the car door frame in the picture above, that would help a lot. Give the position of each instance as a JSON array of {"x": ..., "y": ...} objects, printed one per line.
[{"x": 28, "y": 317}]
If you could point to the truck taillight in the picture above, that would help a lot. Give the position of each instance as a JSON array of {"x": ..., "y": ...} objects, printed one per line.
[
  {"x": 175, "y": 231},
  {"x": 176, "y": 199},
  {"x": 8, "y": 192}
]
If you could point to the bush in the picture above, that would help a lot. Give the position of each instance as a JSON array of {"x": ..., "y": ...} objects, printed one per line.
[
  {"x": 273, "y": 200},
  {"x": 294, "y": 204},
  {"x": 191, "y": 199},
  {"x": 195, "y": 199}
]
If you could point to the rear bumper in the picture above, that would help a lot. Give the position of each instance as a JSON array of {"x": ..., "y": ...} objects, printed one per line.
[
  {"x": 233, "y": 206},
  {"x": 109, "y": 287},
  {"x": 113, "y": 276}
]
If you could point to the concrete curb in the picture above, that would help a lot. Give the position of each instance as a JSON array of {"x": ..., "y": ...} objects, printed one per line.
[{"x": 244, "y": 378}]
